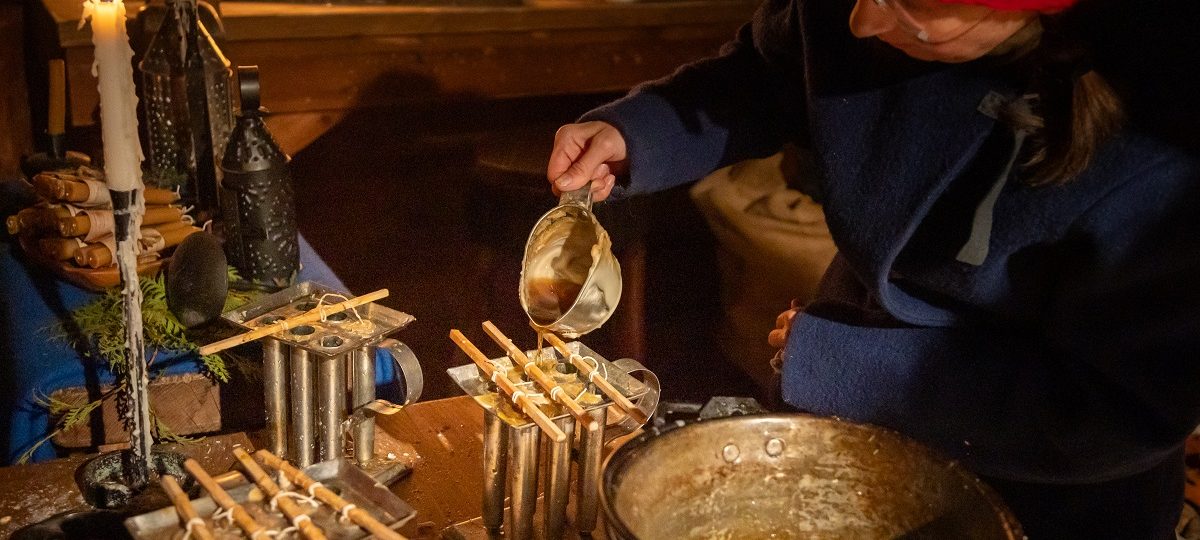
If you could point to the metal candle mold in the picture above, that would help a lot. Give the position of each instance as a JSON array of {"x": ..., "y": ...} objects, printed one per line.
[
  {"x": 512, "y": 443},
  {"x": 305, "y": 371}
]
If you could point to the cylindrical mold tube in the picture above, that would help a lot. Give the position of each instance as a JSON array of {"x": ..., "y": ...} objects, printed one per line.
[
  {"x": 591, "y": 446},
  {"x": 275, "y": 394},
  {"x": 331, "y": 405},
  {"x": 558, "y": 478},
  {"x": 362, "y": 363},
  {"x": 495, "y": 465},
  {"x": 523, "y": 453},
  {"x": 303, "y": 441}
]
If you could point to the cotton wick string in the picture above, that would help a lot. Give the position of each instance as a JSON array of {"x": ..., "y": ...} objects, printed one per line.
[
  {"x": 312, "y": 487},
  {"x": 294, "y": 495},
  {"x": 192, "y": 524},
  {"x": 344, "y": 516},
  {"x": 531, "y": 395},
  {"x": 597, "y": 366},
  {"x": 224, "y": 514},
  {"x": 321, "y": 306},
  {"x": 296, "y": 521}
]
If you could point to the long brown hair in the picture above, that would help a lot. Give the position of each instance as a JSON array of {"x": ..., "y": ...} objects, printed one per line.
[{"x": 1070, "y": 112}]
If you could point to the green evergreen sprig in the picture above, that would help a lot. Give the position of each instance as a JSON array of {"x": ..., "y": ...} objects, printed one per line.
[{"x": 101, "y": 335}]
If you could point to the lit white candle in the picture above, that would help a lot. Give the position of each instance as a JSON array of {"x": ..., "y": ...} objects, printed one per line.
[
  {"x": 118, "y": 102},
  {"x": 123, "y": 172}
]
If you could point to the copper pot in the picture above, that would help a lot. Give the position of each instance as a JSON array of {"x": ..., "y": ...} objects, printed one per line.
[{"x": 793, "y": 476}]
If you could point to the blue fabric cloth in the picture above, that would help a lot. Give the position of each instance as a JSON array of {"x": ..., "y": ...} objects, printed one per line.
[
  {"x": 1069, "y": 356},
  {"x": 33, "y": 302}
]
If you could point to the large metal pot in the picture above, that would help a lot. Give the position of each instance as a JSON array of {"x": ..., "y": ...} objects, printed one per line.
[{"x": 793, "y": 476}]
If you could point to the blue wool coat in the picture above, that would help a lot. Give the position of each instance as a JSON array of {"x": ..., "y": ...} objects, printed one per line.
[{"x": 1069, "y": 354}]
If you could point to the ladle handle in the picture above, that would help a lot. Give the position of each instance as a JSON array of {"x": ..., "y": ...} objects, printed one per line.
[{"x": 581, "y": 197}]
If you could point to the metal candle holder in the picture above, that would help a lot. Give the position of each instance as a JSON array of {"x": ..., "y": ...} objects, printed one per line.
[
  {"x": 512, "y": 443},
  {"x": 304, "y": 372}
]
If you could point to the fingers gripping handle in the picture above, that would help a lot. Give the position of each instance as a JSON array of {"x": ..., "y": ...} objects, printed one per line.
[{"x": 581, "y": 197}]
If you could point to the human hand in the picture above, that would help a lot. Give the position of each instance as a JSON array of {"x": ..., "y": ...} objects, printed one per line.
[
  {"x": 587, "y": 152},
  {"x": 783, "y": 324}
]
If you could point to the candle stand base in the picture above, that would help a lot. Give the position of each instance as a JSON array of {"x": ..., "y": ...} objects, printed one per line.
[{"x": 104, "y": 481}]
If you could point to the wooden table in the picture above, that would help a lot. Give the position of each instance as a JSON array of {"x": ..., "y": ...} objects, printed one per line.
[
  {"x": 445, "y": 487},
  {"x": 32, "y": 493},
  {"x": 319, "y": 61}
]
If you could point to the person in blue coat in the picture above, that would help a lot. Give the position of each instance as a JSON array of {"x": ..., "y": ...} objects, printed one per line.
[{"x": 1014, "y": 190}]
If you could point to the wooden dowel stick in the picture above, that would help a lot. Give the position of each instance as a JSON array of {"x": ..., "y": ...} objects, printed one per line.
[
  {"x": 183, "y": 506},
  {"x": 229, "y": 478},
  {"x": 537, "y": 375},
  {"x": 507, "y": 387},
  {"x": 609, "y": 390},
  {"x": 360, "y": 517},
  {"x": 311, "y": 315},
  {"x": 243, "y": 519},
  {"x": 289, "y": 507}
]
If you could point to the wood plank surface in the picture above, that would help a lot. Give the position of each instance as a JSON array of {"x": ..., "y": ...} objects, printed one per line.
[
  {"x": 446, "y": 487},
  {"x": 32, "y": 493},
  {"x": 318, "y": 61}
]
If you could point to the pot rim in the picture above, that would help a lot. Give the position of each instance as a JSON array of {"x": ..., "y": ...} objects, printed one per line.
[{"x": 620, "y": 458}]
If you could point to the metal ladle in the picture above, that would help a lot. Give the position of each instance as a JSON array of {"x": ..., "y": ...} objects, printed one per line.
[{"x": 570, "y": 279}]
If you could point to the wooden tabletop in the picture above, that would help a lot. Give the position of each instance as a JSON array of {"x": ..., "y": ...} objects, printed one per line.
[
  {"x": 32, "y": 493},
  {"x": 445, "y": 487}
]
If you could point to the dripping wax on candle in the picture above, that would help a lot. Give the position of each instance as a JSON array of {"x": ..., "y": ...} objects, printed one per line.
[
  {"x": 113, "y": 68},
  {"x": 122, "y": 170}
]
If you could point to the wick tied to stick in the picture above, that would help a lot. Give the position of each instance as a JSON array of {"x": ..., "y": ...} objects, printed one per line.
[
  {"x": 589, "y": 371},
  {"x": 309, "y": 316},
  {"x": 519, "y": 397},
  {"x": 240, "y": 516},
  {"x": 530, "y": 368},
  {"x": 191, "y": 520},
  {"x": 289, "y": 507},
  {"x": 360, "y": 517}
]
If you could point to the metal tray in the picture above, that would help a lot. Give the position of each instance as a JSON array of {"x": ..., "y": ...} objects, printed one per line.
[
  {"x": 468, "y": 378},
  {"x": 337, "y": 335},
  {"x": 339, "y": 475}
]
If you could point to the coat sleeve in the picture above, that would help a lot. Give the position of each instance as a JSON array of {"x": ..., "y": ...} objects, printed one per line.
[
  {"x": 740, "y": 104},
  {"x": 1106, "y": 388}
]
